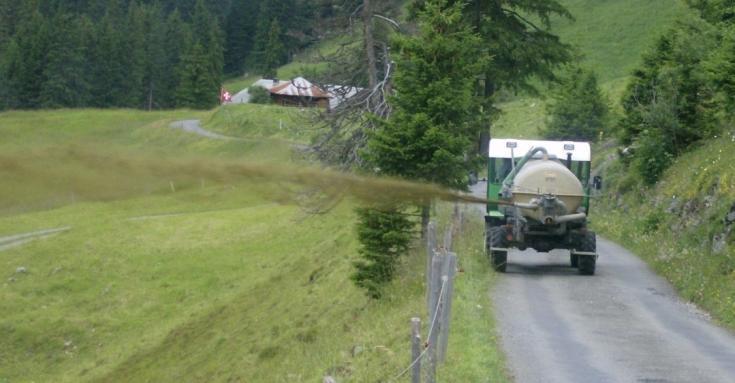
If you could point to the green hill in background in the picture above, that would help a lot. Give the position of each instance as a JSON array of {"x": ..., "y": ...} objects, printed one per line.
[{"x": 610, "y": 36}]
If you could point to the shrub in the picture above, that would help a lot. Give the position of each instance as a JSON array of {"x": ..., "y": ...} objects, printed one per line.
[
  {"x": 384, "y": 234},
  {"x": 653, "y": 155},
  {"x": 652, "y": 222},
  {"x": 578, "y": 110},
  {"x": 259, "y": 95}
]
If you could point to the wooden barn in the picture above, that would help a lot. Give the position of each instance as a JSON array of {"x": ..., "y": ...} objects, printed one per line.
[{"x": 299, "y": 92}]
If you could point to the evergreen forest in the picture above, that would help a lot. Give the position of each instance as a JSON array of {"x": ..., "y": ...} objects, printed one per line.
[{"x": 158, "y": 54}]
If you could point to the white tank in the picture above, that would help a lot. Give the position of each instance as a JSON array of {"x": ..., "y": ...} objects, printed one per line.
[{"x": 547, "y": 176}]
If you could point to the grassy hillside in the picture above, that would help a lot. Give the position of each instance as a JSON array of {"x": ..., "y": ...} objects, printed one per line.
[
  {"x": 165, "y": 277},
  {"x": 680, "y": 226},
  {"x": 610, "y": 35}
]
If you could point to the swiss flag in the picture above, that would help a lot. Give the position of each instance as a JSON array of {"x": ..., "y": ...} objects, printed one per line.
[{"x": 224, "y": 96}]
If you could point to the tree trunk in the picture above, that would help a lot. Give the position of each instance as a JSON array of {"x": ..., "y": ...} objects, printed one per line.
[
  {"x": 150, "y": 97},
  {"x": 367, "y": 21},
  {"x": 484, "y": 144},
  {"x": 489, "y": 92}
]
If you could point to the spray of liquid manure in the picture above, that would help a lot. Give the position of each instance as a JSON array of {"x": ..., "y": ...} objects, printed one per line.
[{"x": 47, "y": 176}]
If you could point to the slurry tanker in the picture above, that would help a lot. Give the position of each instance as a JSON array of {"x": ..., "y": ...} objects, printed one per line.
[{"x": 538, "y": 193}]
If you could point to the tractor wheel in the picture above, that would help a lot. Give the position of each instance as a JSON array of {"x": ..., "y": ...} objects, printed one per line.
[
  {"x": 587, "y": 263},
  {"x": 495, "y": 238},
  {"x": 574, "y": 259}
]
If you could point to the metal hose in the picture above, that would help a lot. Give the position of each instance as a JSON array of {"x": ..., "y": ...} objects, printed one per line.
[{"x": 508, "y": 181}]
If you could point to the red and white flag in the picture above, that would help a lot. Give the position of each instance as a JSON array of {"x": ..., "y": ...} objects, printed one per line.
[{"x": 224, "y": 96}]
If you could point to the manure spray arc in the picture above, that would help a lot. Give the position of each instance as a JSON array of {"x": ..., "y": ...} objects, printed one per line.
[{"x": 539, "y": 201}]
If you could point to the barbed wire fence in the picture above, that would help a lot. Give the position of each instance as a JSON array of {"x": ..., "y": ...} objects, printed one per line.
[{"x": 441, "y": 267}]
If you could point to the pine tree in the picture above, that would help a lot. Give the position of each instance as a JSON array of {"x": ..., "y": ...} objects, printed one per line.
[
  {"x": 9, "y": 16},
  {"x": 293, "y": 20},
  {"x": 177, "y": 40},
  {"x": 195, "y": 82},
  {"x": 578, "y": 110},
  {"x": 207, "y": 32},
  {"x": 202, "y": 82},
  {"x": 669, "y": 103},
  {"x": 132, "y": 56},
  {"x": 274, "y": 50},
  {"x": 431, "y": 131},
  {"x": 435, "y": 111},
  {"x": 714, "y": 11},
  {"x": 256, "y": 59},
  {"x": 154, "y": 57},
  {"x": 66, "y": 83},
  {"x": 384, "y": 234},
  {"x": 240, "y": 30},
  {"x": 109, "y": 58},
  {"x": 25, "y": 62},
  {"x": 517, "y": 34},
  {"x": 8, "y": 55}
]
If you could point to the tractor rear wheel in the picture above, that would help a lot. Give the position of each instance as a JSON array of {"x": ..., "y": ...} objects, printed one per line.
[
  {"x": 495, "y": 239},
  {"x": 587, "y": 263}
]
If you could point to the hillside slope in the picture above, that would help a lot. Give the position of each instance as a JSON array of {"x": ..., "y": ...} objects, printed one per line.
[
  {"x": 610, "y": 36},
  {"x": 168, "y": 277},
  {"x": 684, "y": 226}
]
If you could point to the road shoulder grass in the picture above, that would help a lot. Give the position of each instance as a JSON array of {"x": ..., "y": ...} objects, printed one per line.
[{"x": 474, "y": 352}]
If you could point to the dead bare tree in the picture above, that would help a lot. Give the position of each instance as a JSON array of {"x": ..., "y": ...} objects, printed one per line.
[
  {"x": 367, "y": 25},
  {"x": 358, "y": 76}
]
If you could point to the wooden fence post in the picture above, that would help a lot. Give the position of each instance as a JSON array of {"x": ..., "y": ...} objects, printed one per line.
[
  {"x": 416, "y": 350},
  {"x": 434, "y": 337},
  {"x": 430, "y": 246},
  {"x": 450, "y": 266},
  {"x": 434, "y": 284},
  {"x": 448, "y": 237},
  {"x": 441, "y": 269}
]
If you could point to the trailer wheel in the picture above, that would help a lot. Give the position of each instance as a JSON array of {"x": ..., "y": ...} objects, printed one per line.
[
  {"x": 587, "y": 263},
  {"x": 495, "y": 239}
]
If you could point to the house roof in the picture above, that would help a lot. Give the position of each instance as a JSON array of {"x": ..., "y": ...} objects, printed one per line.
[
  {"x": 265, "y": 83},
  {"x": 299, "y": 87}
]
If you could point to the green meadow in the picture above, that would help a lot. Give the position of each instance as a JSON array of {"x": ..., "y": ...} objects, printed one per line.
[
  {"x": 166, "y": 277},
  {"x": 610, "y": 37}
]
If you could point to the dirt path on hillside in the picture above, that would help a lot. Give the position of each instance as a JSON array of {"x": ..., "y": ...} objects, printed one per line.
[
  {"x": 625, "y": 324},
  {"x": 21, "y": 239},
  {"x": 195, "y": 126}
]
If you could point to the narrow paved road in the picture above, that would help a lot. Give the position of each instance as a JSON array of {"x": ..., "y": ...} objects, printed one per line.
[
  {"x": 195, "y": 126},
  {"x": 625, "y": 324}
]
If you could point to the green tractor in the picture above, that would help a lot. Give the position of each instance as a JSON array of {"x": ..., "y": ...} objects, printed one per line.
[{"x": 538, "y": 193}]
